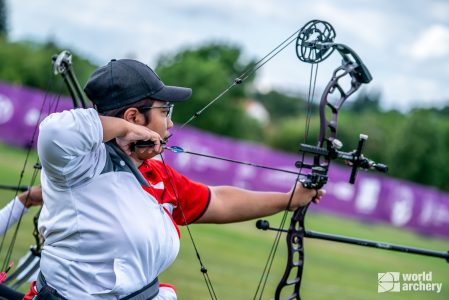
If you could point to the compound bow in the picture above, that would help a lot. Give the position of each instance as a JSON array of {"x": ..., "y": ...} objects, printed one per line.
[{"x": 314, "y": 44}]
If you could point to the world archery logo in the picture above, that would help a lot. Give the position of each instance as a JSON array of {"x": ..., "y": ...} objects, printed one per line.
[
  {"x": 388, "y": 282},
  {"x": 407, "y": 282}
]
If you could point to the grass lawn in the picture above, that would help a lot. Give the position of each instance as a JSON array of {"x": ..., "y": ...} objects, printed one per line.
[{"x": 235, "y": 254}]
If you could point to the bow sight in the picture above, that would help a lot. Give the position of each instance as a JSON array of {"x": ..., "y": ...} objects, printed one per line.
[{"x": 355, "y": 158}]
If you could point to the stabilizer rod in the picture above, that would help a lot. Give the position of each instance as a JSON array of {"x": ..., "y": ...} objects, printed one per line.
[{"x": 265, "y": 225}]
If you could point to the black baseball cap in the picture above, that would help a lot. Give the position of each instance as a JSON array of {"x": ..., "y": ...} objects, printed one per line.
[{"x": 125, "y": 81}]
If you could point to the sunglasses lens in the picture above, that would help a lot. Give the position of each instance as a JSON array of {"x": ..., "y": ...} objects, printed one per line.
[{"x": 170, "y": 112}]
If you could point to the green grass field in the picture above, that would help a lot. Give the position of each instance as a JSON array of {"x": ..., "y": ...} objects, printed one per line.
[{"x": 235, "y": 254}]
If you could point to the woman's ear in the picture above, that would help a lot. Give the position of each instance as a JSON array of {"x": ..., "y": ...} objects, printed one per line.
[{"x": 133, "y": 115}]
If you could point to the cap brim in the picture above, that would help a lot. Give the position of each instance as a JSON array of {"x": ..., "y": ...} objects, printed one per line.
[{"x": 173, "y": 94}]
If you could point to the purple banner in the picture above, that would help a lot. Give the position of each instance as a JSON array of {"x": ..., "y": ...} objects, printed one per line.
[
  {"x": 373, "y": 198},
  {"x": 21, "y": 108}
]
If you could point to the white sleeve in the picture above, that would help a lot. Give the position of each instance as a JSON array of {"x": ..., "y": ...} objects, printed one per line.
[
  {"x": 166, "y": 293},
  {"x": 10, "y": 214},
  {"x": 70, "y": 146}
]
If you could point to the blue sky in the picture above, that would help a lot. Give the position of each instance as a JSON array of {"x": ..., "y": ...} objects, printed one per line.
[{"x": 405, "y": 44}]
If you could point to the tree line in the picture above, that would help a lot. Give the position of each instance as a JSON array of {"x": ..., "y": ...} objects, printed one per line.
[{"x": 415, "y": 145}]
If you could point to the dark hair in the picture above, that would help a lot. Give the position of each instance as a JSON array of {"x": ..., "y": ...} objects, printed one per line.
[{"x": 142, "y": 106}]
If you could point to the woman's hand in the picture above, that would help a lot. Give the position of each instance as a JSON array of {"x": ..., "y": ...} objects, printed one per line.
[
  {"x": 31, "y": 197},
  {"x": 302, "y": 196}
]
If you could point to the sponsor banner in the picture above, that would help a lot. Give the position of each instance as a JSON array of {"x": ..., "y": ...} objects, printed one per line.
[{"x": 374, "y": 197}]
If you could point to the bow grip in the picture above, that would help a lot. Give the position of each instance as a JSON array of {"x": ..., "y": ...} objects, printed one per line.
[
  {"x": 143, "y": 144},
  {"x": 149, "y": 143}
]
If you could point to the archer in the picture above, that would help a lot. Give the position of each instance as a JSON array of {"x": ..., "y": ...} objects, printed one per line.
[{"x": 107, "y": 227}]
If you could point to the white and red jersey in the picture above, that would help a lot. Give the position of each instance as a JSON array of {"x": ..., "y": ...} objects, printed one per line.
[
  {"x": 105, "y": 236},
  {"x": 168, "y": 186}
]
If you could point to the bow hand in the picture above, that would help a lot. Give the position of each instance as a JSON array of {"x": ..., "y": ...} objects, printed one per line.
[{"x": 303, "y": 195}]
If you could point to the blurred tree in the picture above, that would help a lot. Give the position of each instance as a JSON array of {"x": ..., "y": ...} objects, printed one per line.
[
  {"x": 27, "y": 63},
  {"x": 379, "y": 127},
  {"x": 420, "y": 150},
  {"x": 289, "y": 132},
  {"x": 280, "y": 105},
  {"x": 208, "y": 70},
  {"x": 444, "y": 111},
  {"x": 365, "y": 102},
  {"x": 3, "y": 19}
]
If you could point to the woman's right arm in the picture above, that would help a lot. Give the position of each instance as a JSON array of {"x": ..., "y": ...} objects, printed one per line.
[
  {"x": 69, "y": 141},
  {"x": 127, "y": 133},
  {"x": 66, "y": 136}
]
